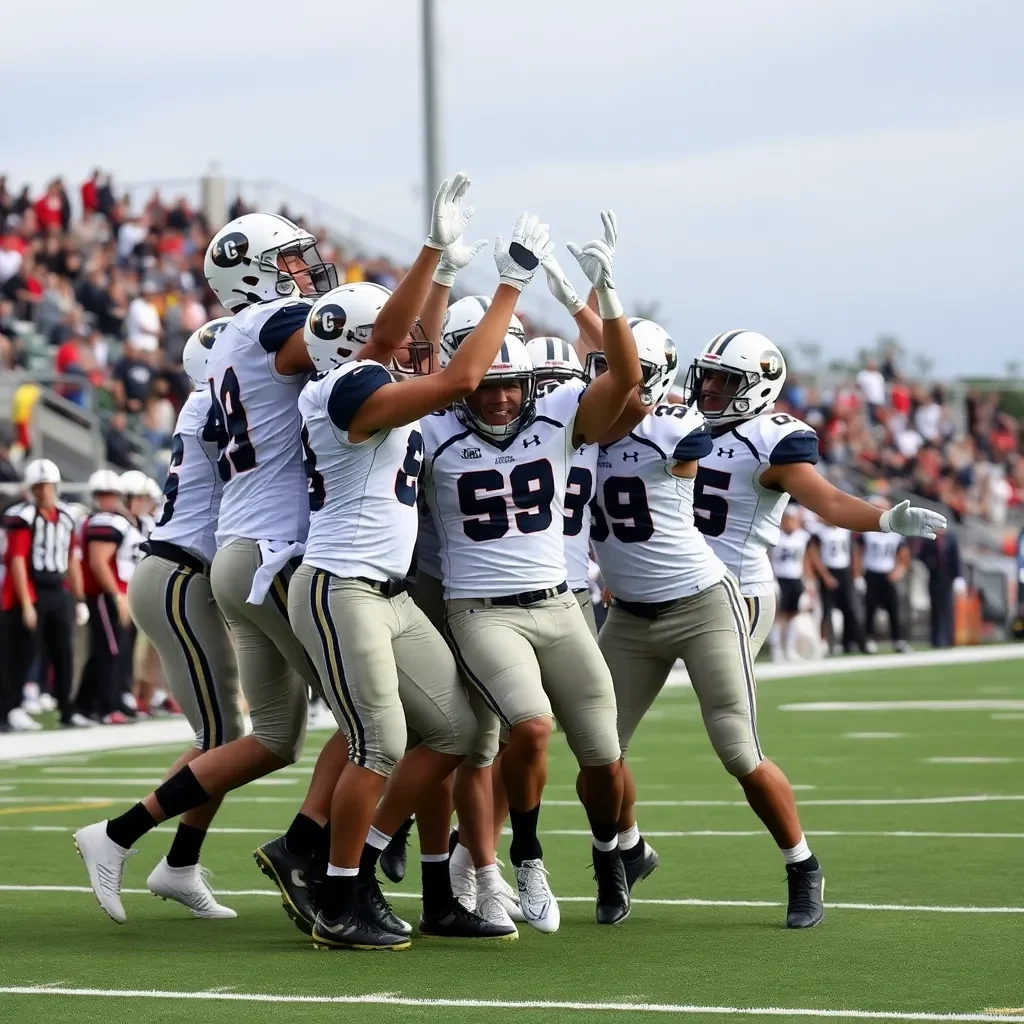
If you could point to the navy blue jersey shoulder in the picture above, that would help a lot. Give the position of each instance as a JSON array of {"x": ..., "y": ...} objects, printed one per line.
[
  {"x": 351, "y": 391},
  {"x": 800, "y": 446},
  {"x": 282, "y": 324},
  {"x": 694, "y": 446}
]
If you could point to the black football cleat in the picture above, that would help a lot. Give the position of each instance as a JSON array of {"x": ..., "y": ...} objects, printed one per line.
[
  {"x": 375, "y": 907},
  {"x": 459, "y": 923},
  {"x": 612, "y": 890},
  {"x": 806, "y": 897},
  {"x": 295, "y": 877},
  {"x": 351, "y": 930},
  {"x": 639, "y": 867},
  {"x": 393, "y": 858}
]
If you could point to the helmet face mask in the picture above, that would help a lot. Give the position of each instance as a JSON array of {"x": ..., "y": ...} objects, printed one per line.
[
  {"x": 658, "y": 361},
  {"x": 739, "y": 375},
  {"x": 511, "y": 365},
  {"x": 554, "y": 362}
]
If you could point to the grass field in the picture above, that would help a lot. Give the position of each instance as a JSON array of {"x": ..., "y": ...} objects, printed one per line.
[{"x": 916, "y": 814}]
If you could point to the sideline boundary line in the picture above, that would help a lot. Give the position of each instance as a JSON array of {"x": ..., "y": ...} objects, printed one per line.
[{"x": 386, "y": 999}]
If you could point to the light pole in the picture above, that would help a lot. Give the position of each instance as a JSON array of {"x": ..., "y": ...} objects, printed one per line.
[{"x": 431, "y": 128}]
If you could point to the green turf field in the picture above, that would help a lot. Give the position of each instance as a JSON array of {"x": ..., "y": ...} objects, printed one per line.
[{"x": 917, "y": 816}]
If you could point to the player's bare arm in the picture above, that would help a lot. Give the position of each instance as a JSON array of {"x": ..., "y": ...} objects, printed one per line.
[
  {"x": 605, "y": 398},
  {"x": 810, "y": 489},
  {"x": 404, "y": 401}
]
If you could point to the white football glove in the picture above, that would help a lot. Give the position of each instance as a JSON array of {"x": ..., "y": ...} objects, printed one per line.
[
  {"x": 447, "y": 219},
  {"x": 596, "y": 259},
  {"x": 911, "y": 521},
  {"x": 560, "y": 286},
  {"x": 860, "y": 584},
  {"x": 81, "y": 614},
  {"x": 518, "y": 262},
  {"x": 455, "y": 257}
]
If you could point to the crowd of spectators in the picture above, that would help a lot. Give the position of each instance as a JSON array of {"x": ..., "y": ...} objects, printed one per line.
[
  {"x": 881, "y": 432},
  {"x": 105, "y": 295}
]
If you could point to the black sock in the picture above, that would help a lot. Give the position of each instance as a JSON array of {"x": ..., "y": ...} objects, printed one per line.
[
  {"x": 603, "y": 833},
  {"x": 810, "y": 864},
  {"x": 525, "y": 844},
  {"x": 322, "y": 852},
  {"x": 338, "y": 894},
  {"x": 437, "y": 887},
  {"x": 184, "y": 851},
  {"x": 368, "y": 859},
  {"x": 181, "y": 793},
  {"x": 302, "y": 836},
  {"x": 131, "y": 826}
]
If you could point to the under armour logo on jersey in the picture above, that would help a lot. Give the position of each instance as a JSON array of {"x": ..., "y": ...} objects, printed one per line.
[
  {"x": 626, "y": 456},
  {"x": 471, "y": 453},
  {"x": 725, "y": 453},
  {"x": 527, "y": 441}
]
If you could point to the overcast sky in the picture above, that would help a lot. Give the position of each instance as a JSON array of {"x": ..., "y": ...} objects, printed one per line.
[{"x": 812, "y": 169}]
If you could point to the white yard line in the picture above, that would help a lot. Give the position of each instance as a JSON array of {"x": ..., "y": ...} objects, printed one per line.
[
  {"x": 387, "y": 999},
  {"x": 905, "y": 705},
  {"x": 692, "y": 833},
  {"x": 688, "y": 902},
  {"x": 155, "y": 780},
  {"x": 972, "y": 760}
]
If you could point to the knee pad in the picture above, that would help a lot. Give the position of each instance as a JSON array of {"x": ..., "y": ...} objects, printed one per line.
[
  {"x": 283, "y": 738},
  {"x": 736, "y": 744}
]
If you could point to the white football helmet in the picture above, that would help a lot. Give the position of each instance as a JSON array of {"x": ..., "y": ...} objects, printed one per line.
[
  {"x": 340, "y": 323},
  {"x": 463, "y": 315},
  {"x": 196, "y": 353},
  {"x": 658, "y": 360},
  {"x": 511, "y": 363},
  {"x": 153, "y": 490},
  {"x": 105, "y": 481},
  {"x": 241, "y": 262},
  {"x": 134, "y": 484},
  {"x": 738, "y": 375},
  {"x": 554, "y": 362},
  {"x": 41, "y": 471}
]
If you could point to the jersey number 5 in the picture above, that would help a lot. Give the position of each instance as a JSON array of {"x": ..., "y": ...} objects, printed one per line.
[
  {"x": 171, "y": 483},
  {"x": 238, "y": 454},
  {"x": 714, "y": 506},
  {"x": 408, "y": 476}
]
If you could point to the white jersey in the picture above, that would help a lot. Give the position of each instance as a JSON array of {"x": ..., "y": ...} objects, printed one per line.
[
  {"x": 578, "y": 516},
  {"x": 788, "y": 555},
  {"x": 258, "y": 417},
  {"x": 647, "y": 544},
  {"x": 880, "y": 551},
  {"x": 499, "y": 506},
  {"x": 362, "y": 495},
  {"x": 193, "y": 488},
  {"x": 740, "y": 517},
  {"x": 836, "y": 544},
  {"x": 122, "y": 530}
]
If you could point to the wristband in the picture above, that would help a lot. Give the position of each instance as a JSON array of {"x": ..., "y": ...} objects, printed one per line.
[{"x": 608, "y": 305}]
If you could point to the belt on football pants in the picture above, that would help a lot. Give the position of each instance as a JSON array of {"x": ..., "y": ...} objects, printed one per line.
[
  {"x": 174, "y": 553},
  {"x": 388, "y": 588},
  {"x": 525, "y": 599},
  {"x": 647, "y": 610}
]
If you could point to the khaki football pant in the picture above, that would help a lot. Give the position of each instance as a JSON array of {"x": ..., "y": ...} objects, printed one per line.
[
  {"x": 272, "y": 665},
  {"x": 587, "y": 607},
  {"x": 761, "y": 616},
  {"x": 708, "y": 631},
  {"x": 535, "y": 661},
  {"x": 173, "y": 605},
  {"x": 381, "y": 663}
]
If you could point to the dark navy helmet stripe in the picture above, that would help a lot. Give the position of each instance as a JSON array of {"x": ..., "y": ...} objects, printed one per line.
[
  {"x": 504, "y": 353},
  {"x": 724, "y": 339}
]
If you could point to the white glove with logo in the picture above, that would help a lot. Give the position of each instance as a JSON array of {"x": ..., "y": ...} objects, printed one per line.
[
  {"x": 560, "y": 286},
  {"x": 81, "y": 614},
  {"x": 448, "y": 220},
  {"x": 531, "y": 242},
  {"x": 596, "y": 259},
  {"x": 911, "y": 521},
  {"x": 456, "y": 257}
]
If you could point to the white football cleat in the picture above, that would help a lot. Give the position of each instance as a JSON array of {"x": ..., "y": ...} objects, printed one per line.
[
  {"x": 104, "y": 860},
  {"x": 509, "y": 897},
  {"x": 18, "y": 719},
  {"x": 540, "y": 908},
  {"x": 190, "y": 887},
  {"x": 490, "y": 907},
  {"x": 463, "y": 876}
]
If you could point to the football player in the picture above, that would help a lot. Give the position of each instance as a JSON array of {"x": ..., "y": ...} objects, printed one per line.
[
  {"x": 380, "y": 660},
  {"x": 172, "y": 604},
  {"x": 758, "y": 460},
  {"x": 265, "y": 270},
  {"x": 495, "y": 472}
]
